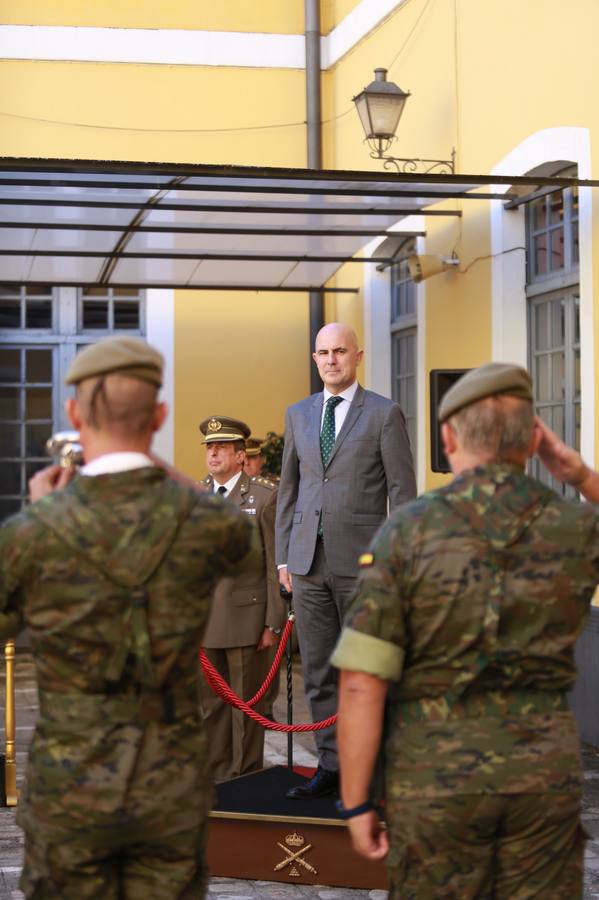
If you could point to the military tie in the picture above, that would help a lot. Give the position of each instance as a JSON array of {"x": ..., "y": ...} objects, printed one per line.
[
  {"x": 327, "y": 434},
  {"x": 222, "y": 490}
]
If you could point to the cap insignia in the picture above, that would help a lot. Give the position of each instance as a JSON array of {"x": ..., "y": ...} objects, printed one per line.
[{"x": 214, "y": 425}]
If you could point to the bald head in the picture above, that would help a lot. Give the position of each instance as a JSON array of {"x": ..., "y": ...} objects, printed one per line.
[{"x": 337, "y": 356}]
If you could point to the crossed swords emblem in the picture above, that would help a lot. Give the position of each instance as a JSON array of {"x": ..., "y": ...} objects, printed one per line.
[{"x": 295, "y": 857}]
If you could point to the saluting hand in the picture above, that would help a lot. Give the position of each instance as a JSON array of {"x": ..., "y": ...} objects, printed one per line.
[
  {"x": 565, "y": 463},
  {"x": 48, "y": 480}
]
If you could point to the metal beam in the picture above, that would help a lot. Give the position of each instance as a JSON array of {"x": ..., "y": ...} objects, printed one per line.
[
  {"x": 259, "y": 288},
  {"x": 247, "y": 257}
]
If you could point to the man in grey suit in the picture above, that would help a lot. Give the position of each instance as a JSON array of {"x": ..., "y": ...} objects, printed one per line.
[{"x": 347, "y": 460}]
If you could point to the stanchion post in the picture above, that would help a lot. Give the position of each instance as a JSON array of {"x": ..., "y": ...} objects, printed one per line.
[
  {"x": 288, "y": 597},
  {"x": 10, "y": 764}
]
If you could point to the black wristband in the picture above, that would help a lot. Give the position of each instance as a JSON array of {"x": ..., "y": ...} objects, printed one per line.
[{"x": 355, "y": 810}]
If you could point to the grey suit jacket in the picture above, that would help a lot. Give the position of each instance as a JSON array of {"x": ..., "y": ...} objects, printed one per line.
[
  {"x": 243, "y": 606},
  {"x": 371, "y": 463}
]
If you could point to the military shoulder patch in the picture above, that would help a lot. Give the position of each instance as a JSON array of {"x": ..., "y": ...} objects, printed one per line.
[{"x": 366, "y": 559}]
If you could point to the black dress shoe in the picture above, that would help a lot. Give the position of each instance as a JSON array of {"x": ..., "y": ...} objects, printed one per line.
[{"x": 322, "y": 784}]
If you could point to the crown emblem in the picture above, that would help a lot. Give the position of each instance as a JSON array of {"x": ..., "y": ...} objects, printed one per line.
[
  {"x": 214, "y": 425},
  {"x": 295, "y": 840}
]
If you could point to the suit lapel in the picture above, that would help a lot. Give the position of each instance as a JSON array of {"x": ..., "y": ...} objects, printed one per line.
[
  {"x": 315, "y": 419},
  {"x": 351, "y": 418}
]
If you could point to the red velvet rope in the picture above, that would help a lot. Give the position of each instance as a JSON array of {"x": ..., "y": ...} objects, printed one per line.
[{"x": 220, "y": 687}]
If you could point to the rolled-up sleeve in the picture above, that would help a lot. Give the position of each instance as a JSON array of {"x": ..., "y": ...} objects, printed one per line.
[{"x": 361, "y": 652}]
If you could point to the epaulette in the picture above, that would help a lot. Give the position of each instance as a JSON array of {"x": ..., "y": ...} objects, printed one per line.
[{"x": 258, "y": 479}]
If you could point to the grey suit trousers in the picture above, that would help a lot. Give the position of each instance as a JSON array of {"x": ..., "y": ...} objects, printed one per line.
[{"x": 320, "y": 601}]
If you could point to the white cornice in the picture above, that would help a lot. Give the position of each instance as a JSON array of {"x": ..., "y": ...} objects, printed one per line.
[
  {"x": 160, "y": 46},
  {"x": 356, "y": 25},
  {"x": 177, "y": 47}
]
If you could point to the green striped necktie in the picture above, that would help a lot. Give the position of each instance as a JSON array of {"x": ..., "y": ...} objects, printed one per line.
[{"x": 327, "y": 433}]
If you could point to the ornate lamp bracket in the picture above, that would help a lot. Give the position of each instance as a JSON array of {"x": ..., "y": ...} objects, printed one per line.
[{"x": 407, "y": 166}]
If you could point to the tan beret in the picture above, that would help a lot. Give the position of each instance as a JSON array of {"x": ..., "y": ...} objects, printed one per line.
[
  {"x": 223, "y": 428},
  {"x": 492, "y": 378},
  {"x": 128, "y": 355},
  {"x": 253, "y": 447}
]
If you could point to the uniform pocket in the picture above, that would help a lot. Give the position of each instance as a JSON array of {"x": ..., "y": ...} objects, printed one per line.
[{"x": 248, "y": 598}]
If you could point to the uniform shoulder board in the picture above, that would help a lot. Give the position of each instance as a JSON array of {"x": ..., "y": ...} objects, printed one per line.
[{"x": 265, "y": 482}]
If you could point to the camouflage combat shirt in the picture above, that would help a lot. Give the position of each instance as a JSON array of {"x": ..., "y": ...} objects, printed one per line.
[
  {"x": 113, "y": 578},
  {"x": 469, "y": 604}
]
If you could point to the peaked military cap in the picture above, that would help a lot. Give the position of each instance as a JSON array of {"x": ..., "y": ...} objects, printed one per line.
[
  {"x": 223, "y": 428},
  {"x": 486, "y": 381},
  {"x": 253, "y": 446},
  {"x": 128, "y": 355}
]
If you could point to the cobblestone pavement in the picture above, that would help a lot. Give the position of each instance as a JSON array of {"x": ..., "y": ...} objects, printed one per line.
[{"x": 11, "y": 843}]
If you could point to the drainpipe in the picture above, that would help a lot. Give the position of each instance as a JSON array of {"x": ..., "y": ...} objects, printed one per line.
[{"x": 314, "y": 137}]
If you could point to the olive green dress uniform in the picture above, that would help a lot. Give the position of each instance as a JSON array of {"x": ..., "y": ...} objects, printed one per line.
[
  {"x": 112, "y": 577},
  {"x": 241, "y": 610},
  {"x": 470, "y": 603}
]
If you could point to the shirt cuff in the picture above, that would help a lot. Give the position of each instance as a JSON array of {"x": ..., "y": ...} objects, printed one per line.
[{"x": 359, "y": 652}]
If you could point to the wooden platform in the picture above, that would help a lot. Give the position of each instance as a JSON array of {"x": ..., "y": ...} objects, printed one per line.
[{"x": 256, "y": 832}]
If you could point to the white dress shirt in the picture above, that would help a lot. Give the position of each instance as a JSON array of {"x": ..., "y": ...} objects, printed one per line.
[
  {"x": 229, "y": 485},
  {"x": 342, "y": 409},
  {"x": 110, "y": 463}
]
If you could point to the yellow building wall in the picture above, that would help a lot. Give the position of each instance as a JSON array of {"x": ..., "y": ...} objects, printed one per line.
[
  {"x": 143, "y": 112},
  {"x": 483, "y": 77},
  {"x": 482, "y": 80},
  {"x": 266, "y": 16},
  {"x": 242, "y": 354}
]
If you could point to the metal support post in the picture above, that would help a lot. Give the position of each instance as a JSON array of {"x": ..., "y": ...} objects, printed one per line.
[{"x": 10, "y": 765}]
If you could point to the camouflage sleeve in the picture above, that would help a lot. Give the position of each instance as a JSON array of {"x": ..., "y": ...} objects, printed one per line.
[
  {"x": 231, "y": 539},
  {"x": 374, "y": 633},
  {"x": 13, "y": 552}
]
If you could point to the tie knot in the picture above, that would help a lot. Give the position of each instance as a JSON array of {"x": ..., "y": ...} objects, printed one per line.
[
  {"x": 222, "y": 489},
  {"x": 332, "y": 402}
]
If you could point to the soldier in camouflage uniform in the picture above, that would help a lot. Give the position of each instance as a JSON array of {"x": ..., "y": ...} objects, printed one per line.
[
  {"x": 112, "y": 577},
  {"x": 461, "y": 641}
]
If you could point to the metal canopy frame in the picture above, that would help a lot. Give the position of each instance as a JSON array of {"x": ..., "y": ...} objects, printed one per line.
[{"x": 206, "y": 227}]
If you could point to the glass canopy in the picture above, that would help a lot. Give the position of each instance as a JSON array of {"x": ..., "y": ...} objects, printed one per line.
[{"x": 208, "y": 227}]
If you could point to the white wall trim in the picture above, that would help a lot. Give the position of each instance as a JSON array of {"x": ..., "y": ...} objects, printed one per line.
[
  {"x": 159, "y": 46},
  {"x": 509, "y": 276},
  {"x": 363, "y": 18},
  {"x": 160, "y": 332},
  {"x": 189, "y": 47}
]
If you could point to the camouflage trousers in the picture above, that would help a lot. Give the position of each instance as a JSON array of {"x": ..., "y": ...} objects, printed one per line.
[
  {"x": 152, "y": 868},
  {"x": 484, "y": 846},
  {"x": 114, "y": 810}
]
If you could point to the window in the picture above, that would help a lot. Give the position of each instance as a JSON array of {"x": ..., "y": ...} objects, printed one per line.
[
  {"x": 41, "y": 330},
  {"x": 554, "y": 315},
  {"x": 403, "y": 339},
  {"x": 26, "y": 414},
  {"x": 110, "y": 309}
]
